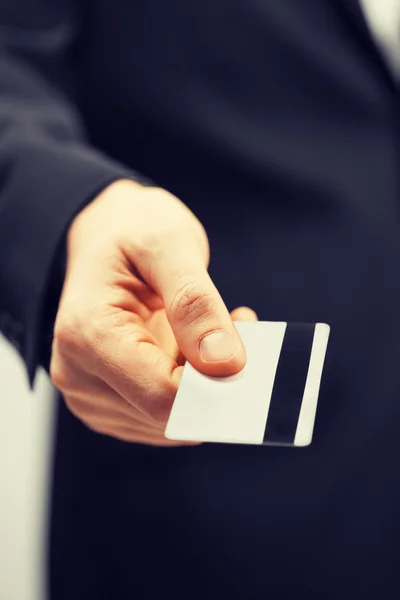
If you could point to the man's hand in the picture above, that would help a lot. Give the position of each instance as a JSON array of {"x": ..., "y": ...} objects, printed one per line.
[{"x": 137, "y": 302}]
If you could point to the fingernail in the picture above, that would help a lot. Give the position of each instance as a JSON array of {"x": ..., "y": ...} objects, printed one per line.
[{"x": 218, "y": 346}]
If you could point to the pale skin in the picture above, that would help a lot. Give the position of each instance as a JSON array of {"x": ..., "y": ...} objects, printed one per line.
[{"x": 137, "y": 302}]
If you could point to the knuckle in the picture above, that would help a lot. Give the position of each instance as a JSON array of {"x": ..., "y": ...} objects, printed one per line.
[
  {"x": 59, "y": 375},
  {"x": 147, "y": 246},
  {"x": 192, "y": 304},
  {"x": 68, "y": 334},
  {"x": 80, "y": 336}
]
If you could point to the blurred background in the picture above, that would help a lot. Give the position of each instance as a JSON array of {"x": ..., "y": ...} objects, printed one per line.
[{"x": 26, "y": 420}]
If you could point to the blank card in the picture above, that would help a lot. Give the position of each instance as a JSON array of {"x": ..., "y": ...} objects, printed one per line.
[{"x": 272, "y": 401}]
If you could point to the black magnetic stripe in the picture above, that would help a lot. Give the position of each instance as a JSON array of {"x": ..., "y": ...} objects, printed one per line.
[{"x": 289, "y": 383}]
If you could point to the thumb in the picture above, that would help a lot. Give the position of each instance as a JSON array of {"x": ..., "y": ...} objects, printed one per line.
[{"x": 197, "y": 314}]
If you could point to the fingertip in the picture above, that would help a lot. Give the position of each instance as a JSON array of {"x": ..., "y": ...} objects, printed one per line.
[
  {"x": 224, "y": 354},
  {"x": 220, "y": 346},
  {"x": 244, "y": 313},
  {"x": 177, "y": 375}
]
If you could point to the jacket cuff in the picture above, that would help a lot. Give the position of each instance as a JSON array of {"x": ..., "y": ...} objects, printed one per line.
[{"x": 33, "y": 227}]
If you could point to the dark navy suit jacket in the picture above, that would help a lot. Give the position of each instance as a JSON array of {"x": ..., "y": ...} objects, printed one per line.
[{"x": 277, "y": 122}]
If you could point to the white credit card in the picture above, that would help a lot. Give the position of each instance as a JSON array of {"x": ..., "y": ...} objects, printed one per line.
[{"x": 272, "y": 401}]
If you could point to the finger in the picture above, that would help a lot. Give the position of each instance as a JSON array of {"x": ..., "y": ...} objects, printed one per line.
[
  {"x": 120, "y": 430},
  {"x": 108, "y": 406},
  {"x": 110, "y": 421},
  {"x": 142, "y": 291},
  {"x": 243, "y": 313},
  {"x": 122, "y": 354},
  {"x": 131, "y": 362},
  {"x": 94, "y": 402},
  {"x": 129, "y": 435},
  {"x": 86, "y": 393},
  {"x": 160, "y": 327},
  {"x": 198, "y": 316}
]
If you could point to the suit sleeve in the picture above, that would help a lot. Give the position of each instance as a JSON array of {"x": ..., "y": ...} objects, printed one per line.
[{"x": 48, "y": 171}]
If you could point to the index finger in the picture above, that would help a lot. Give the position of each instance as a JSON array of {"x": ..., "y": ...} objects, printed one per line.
[{"x": 138, "y": 369}]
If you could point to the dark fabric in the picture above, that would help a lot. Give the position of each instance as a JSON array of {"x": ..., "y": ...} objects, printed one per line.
[
  {"x": 48, "y": 169},
  {"x": 278, "y": 124}
]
